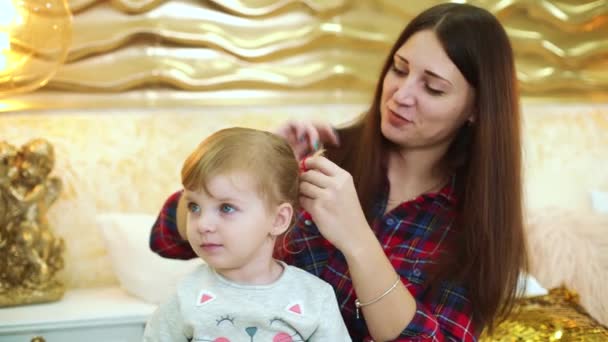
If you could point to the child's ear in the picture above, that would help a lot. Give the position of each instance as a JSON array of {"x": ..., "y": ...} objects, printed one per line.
[{"x": 282, "y": 220}]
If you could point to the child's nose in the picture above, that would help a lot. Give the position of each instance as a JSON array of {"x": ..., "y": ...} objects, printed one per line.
[{"x": 206, "y": 224}]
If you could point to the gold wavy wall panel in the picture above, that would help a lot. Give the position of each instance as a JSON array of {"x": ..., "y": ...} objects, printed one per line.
[
  {"x": 250, "y": 8},
  {"x": 208, "y": 69},
  {"x": 191, "y": 24},
  {"x": 561, "y": 46}
]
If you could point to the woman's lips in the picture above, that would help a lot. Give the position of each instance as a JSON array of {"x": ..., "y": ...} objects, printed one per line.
[{"x": 396, "y": 120}]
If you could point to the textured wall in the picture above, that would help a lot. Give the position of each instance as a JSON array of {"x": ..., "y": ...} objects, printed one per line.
[
  {"x": 560, "y": 45},
  {"x": 324, "y": 49}
]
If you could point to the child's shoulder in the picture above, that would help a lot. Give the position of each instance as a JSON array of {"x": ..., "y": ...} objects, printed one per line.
[
  {"x": 307, "y": 279},
  {"x": 199, "y": 274}
]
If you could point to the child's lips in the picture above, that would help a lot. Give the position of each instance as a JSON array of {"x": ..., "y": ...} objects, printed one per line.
[{"x": 211, "y": 246}]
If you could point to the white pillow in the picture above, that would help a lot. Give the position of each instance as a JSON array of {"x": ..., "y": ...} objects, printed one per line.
[
  {"x": 533, "y": 287},
  {"x": 599, "y": 201},
  {"x": 141, "y": 272}
]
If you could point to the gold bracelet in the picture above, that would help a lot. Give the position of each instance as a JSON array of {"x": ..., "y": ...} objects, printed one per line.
[{"x": 359, "y": 305}]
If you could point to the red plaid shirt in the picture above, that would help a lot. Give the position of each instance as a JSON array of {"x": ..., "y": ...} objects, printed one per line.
[{"x": 413, "y": 236}]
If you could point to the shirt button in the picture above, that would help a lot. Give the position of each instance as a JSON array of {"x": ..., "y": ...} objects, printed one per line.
[
  {"x": 390, "y": 221},
  {"x": 307, "y": 222},
  {"x": 417, "y": 272}
]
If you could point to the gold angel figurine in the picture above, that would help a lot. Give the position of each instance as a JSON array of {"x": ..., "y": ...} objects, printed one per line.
[
  {"x": 8, "y": 171},
  {"x": 30, "y": 255}
]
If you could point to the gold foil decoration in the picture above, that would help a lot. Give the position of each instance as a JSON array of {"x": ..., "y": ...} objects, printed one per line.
[
  {"x": 554, "y": 317},
  {"x": 30, "y": 255}
]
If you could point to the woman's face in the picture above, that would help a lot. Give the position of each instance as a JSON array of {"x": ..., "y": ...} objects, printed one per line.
[{"x": 425, "y": 98}]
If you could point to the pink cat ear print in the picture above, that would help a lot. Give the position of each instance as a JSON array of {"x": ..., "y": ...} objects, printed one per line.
[
  {"x": 204, "y": 297},
  {"x": 295, "y": 308}
]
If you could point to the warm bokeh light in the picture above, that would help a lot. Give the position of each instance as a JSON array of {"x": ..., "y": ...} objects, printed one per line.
[
  {"x": 34, "y": 40},
  {"x": 5, "y": 47},
  {"x": 8, "y": 12},
  {"x": 8, "y": 19}
]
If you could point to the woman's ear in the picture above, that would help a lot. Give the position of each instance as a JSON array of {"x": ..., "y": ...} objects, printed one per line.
[
  {"x": 472, "y": 110},
  {"x": 282, "y": 220}
]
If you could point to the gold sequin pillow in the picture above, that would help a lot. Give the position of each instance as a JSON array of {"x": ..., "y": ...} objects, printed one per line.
[{"x": 554, "y": 317}]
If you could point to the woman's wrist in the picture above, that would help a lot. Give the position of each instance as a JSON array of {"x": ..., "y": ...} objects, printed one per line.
[{"x": 360, "y": 245}]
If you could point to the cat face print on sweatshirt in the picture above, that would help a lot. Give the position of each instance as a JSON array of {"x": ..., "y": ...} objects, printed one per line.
[{"x": 247, "y": 324}]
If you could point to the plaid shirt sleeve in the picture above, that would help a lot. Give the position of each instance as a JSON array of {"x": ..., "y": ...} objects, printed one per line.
[
  {"x": 164, "y": 237},
  {"x": 446, "y": 317}
]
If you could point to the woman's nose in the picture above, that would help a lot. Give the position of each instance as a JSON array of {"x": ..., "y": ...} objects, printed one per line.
[{"x": 405, "y": 94}]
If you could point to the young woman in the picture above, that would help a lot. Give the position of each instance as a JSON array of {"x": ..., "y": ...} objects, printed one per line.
[{"x": 415, "y": 216}]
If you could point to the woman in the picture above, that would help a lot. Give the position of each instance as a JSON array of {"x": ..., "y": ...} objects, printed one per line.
[{"x": 415, "y": 216}]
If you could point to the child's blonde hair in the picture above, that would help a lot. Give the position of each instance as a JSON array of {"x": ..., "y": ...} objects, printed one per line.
[{"x": 265, "y": 156}]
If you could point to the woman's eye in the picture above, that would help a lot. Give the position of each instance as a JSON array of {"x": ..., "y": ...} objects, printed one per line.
[
  {"x": 227, "y": 208},
  {"x": 398, "y": 71},
  {"x": 193, "y": 208},
  {"x": 433, "y": 91}
]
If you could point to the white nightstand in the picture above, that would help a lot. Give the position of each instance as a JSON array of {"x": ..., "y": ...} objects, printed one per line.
[{"x": 89, "y": 315}]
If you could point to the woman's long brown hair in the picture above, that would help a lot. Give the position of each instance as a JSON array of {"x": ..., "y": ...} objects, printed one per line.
[{"x": 486, "y": 158}]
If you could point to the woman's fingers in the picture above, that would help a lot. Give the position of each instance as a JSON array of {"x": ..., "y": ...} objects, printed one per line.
[
  {"x": 295, "y": 133},
  {"x": 312, "y": 137},
  {"x": 310, "y": 190},
  {"x": 305, "y": 137},
  {"x": 316, "y": 178},
  {"x": 321, "y": 164},
  {"x": 327, "y": 134}
]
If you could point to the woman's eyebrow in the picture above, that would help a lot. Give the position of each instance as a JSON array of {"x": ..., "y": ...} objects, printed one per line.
[{"x": 428, "y": 72}]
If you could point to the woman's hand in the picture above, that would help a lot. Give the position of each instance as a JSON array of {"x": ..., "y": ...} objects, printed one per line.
[
  {"x": 328, "y": 193},
  {"x": 305, "y": 137}
]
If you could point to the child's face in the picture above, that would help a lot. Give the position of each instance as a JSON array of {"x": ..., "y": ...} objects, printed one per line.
[{"x": 230, "y": 226}]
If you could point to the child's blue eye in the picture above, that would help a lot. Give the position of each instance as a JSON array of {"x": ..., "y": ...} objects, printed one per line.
[
  {"x": 193, "y": 208},
  {"x": 227, "y": 208}
]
